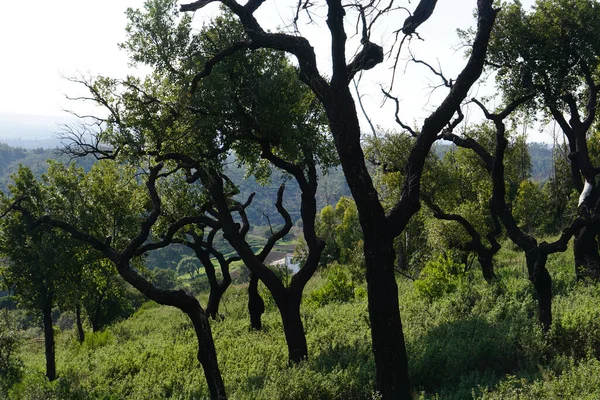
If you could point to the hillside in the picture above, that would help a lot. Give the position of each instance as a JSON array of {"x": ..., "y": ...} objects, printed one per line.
[{"x": 473, "y": 341}]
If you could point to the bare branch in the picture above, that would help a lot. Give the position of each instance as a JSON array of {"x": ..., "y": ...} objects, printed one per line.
[
  {"x": 285, "y": 229},
  {"x": 398, "y": 121}
]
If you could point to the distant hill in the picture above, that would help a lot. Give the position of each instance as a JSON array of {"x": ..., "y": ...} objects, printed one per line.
[
  {"x": 540, "y": 153},
  {"x": 541, "y": 161},
  {"x": 30, "y": 131},
  {"x": 36, "y": 159}
]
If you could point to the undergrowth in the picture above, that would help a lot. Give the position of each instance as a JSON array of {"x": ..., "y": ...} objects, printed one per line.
[{"x": 469, "y": 340}]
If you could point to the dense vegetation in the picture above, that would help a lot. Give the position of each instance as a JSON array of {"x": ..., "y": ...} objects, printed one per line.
[
  {"x": 472, "y": 340},
  {"x": 156, "y": 271}
]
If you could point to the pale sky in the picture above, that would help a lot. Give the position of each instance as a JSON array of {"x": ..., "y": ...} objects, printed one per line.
[{"x": 42, "y": 41}]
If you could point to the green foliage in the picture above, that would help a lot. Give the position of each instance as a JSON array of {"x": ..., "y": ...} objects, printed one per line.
[
  {"x": 576, "y": 328},
  {"x": 579, "y": 381},
  {"x": 338, "y": 287},
  {"x": 461, "y": 345},
  {"x": 543, "y": 46},
  {"x": 340, "y": 229},
  {"x": 531, "y": 208},
  {"x": 10, "y": 364},
  {"x": 440, "y": 276}
]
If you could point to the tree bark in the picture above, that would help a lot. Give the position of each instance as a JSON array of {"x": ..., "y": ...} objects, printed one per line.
[
  {"x": 256, "y": 305},
  {"x": 49, "y": 342},
  {"x": 539, "y": 276},
  {"x": 387, "y": 337},
  {"x": 585, "y": 250},
  {"x": 216, "y": 289},
  {"x": 585, "y": 245},
  {"x": 207, "y": 354},
  {"x": 487, "y": 267},
  {"x": 391, "y": 361},
  {"x": 289, "y": 307},
  {"x": 80, "y": 331}
]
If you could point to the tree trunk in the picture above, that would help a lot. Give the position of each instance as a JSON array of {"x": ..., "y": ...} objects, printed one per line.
[
  {"x": 207, "y": 354},
  {"x": 585, "y": 245},
  {"x": 96, "y": 317},
  {"x": 539, "y": 276},
  {"x": 216, "y": 289},
  {"x": 256, "y": 305},
  {"x": 289, "y": 307},
  {"x": 585, "y": 249},
  {"x": 487, "y": 267},
  {"x": 80, "y": 332},
  {"x": 49, "y": 343},
  {"x": 391, "y": 361},
  {"x": 214, "y": 299}
]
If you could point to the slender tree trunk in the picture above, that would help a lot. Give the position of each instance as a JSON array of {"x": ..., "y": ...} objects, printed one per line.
[
  {"x": 207, "y": 355},
  {"x": 256, "y": 305},
  {"x": 80, "y": 332},
  {"x": 540, "y": 277},
  {"x": 289, "y": 307},
  {"x": 96, "y": 321},
  {"x": 216, "y": 289},
  {"x": 49, "y": 343},
  {"x": 214, "y": 299}
]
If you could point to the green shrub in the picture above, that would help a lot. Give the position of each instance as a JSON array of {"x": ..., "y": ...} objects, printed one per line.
[
  {"x": 576, "y": 327},
  {"x": 440, "y": 276},
  {"x": 577, "y": 382},
  {"x": 10, "y": 365},
  {"x": 338, "y": 288}
]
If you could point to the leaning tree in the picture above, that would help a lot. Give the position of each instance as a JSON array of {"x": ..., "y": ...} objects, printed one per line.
[{"x": 113, "y": 209}]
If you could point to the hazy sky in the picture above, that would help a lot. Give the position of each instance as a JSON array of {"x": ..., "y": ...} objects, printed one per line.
[{"x": 42, "y": 41}]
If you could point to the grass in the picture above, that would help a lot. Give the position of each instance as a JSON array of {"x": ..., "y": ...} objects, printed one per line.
[{"x": 476, "y": 341}]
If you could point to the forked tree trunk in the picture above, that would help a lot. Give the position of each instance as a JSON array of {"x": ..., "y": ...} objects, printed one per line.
[
  {"x": 256, "y": 305},
  {"x": 391, "y": 362},
  {"x": 49, "y": 342},
  {"x": 216, "y": 289}
]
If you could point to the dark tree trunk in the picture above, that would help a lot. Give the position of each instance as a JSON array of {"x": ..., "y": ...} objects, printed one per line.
[
  {"x": 256, "y": 305},
  {"x": 207, "y": 354},
  {"x": 585, "y": 249},
  {"x": 289, "y": 307},
  {"x": 214, "y": 299},
  {"x": 539, "y": 276},
  {"x": 80, "y": 332},
  {"x": 216, "y": 289},
  {"x": 391, "y": 362},
  {"x": 49, "y": 343},
  {"x": 389, "y": 349},
  {"x": 487, "y": 267},
  {"x": 96, "y": 317}
]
